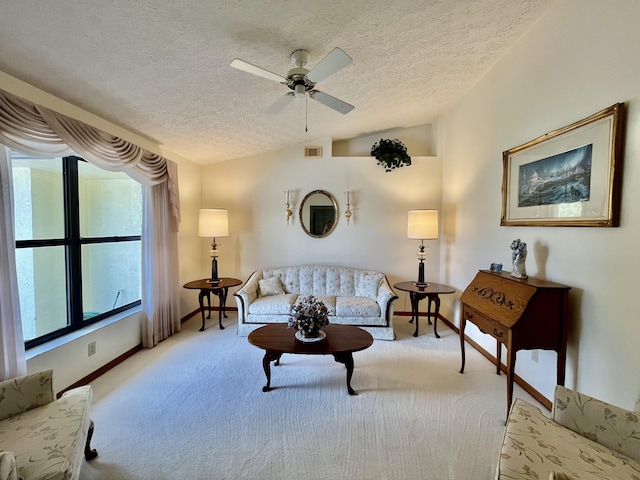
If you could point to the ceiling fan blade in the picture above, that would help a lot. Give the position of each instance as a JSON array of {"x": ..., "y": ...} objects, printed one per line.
[
  {"x": 261, "y": 72},
  {"x": 331, "y": 102},
  {"x": 278, "y": 105},
  {"x": 334, "y": 61}
]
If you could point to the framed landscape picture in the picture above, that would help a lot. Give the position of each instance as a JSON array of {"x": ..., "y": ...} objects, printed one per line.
[{"x": 568, "y": 177}]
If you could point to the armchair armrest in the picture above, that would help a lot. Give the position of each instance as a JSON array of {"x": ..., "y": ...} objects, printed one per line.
[
  {"x": 608, "y": 425},
  {"x": 8, "y": 466},
  {"x": 24, "y": 393}
]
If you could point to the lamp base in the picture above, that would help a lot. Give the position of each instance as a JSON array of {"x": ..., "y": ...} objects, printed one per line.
[
  {"x": 421, "y": 284},
  {"x": 214, "y": 282}
]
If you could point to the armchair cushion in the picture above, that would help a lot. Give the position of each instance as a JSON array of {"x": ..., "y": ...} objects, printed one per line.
[
  {"x": 25, "y": 393},
  {"x": 608, "y": 425},
  {"x": 535, "y": 446}
]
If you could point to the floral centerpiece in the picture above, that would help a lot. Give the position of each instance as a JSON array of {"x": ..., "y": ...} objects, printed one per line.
[{"x": 308, "y": 316}]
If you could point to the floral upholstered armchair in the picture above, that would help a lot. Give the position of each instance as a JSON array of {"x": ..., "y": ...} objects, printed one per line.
[
  {"x": 42, "y": 437},
  {"x": 585, "y": 438}
]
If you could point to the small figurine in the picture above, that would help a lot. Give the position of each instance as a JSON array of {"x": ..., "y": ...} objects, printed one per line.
[{"x": 518, "y": 257}]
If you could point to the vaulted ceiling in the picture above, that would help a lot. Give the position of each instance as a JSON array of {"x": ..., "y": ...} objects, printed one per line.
[{"x": 160, "y": 68}]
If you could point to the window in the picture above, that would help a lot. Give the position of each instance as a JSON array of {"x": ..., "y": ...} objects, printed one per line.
[{"x": 77, "y": 244}]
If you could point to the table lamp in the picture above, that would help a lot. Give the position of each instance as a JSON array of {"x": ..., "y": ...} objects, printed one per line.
[
  {"x": 422, "y": 225},
  {"x": 214, "y": 223}
]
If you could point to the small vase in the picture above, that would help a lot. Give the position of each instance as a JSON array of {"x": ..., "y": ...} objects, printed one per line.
[
  {"x": 310, "y": 336},
  {"x": 310, "y": 333}
]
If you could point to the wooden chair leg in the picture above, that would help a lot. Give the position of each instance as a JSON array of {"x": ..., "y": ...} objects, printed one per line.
[{"x": 90, "y": 453}]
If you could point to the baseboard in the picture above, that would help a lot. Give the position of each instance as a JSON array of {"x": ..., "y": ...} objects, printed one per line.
[{"x": 104, "y": 369}]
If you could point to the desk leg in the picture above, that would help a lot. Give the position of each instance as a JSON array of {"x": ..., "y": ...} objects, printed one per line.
[
  {"x": 498, "y": 356},
  {"x": 435, "y": 320},
  {"x": 201, "y": 296},
  {"x": 463, "y": 322},
  {"x": 347, "y": 359},
  {"x": 511, "y": 369}
]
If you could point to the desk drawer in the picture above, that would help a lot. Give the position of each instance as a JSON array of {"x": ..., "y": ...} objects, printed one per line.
[{"x": 485, "y": 324}]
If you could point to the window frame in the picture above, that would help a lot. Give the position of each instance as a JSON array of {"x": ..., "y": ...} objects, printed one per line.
[{"x": 72, "y": 243}]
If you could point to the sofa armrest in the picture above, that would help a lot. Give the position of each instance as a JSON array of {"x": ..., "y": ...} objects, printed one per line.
[
  {"x": 608, "y": 425},
  {"x": 17, "y": 395},
  {"x": 8, "y": 466},
  {"x": 385, "y": 295},
  {"x": 247, "y": 294}
]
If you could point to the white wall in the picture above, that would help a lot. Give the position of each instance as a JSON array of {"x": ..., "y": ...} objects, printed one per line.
[
  {"x": 252, "y": 190},
  {"x": 581, "y": 57}
]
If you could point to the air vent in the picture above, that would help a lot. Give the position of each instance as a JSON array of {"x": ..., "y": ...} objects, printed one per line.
[{"x": 313, "y": 152}]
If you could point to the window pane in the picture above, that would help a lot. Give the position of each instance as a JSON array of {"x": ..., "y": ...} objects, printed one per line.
[
  {"x": 38, "y": 197},
  {"x": 110, "y": 203},
  {"x": 42, "y": 287},
  {"x": 110, "y": 276}
]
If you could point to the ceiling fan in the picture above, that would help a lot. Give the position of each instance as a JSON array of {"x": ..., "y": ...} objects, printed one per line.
[{"x": 302, "y": 81}]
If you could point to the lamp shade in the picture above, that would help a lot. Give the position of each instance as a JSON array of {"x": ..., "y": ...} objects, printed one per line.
[
  {"x": 214, "y": 222},
  {"x": 422, "y": 224}
]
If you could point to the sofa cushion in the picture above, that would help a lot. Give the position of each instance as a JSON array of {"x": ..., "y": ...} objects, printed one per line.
[
  {"x": 357, "y": 307},
  {"x": 534, "y": 446},
  {"x": 273, "y": 304},
  {"x": 48, "y": 441},
  {"x": 368, "y": 284},
  {"x": 270, "y": 286}
]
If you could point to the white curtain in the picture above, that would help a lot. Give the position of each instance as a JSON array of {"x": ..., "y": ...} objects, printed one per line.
[
  {"x": 11, "y": 340},
  {"x": 39, "y": 131},
  {"x": 162, "y": 310}
]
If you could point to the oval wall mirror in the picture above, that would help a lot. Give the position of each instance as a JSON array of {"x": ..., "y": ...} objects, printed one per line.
[{"x": 318, "y": 213}]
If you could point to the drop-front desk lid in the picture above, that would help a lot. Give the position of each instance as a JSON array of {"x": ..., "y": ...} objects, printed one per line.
[{"x": 501, "y": 296}]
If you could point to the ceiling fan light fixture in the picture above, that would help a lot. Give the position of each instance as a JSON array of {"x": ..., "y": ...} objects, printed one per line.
[{"x": 299, "y": 90}]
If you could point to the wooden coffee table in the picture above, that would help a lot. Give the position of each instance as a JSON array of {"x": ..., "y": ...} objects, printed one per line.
[{"x": 341, "y": 342}]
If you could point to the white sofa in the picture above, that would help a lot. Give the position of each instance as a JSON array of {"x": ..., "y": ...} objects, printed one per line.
[
  {"x": 42, "y": 437},
  {"x": 354, "y": 297},
  {"x": 585, "y": 438}
]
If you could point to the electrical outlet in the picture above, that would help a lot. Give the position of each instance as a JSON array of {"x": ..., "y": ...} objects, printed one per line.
[
  {"x": 92, "y": 348},
  {"x": 534, "y": 355}
]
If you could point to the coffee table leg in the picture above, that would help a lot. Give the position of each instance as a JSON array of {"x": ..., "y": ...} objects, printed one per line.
[
  {"x": 266, "y": 365},
  {"x": 347, "y": 359}
]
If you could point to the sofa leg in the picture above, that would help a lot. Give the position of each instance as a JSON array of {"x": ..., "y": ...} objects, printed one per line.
[{"x": 90, "y": 453}]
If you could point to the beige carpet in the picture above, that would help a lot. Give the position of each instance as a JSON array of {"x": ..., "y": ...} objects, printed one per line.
[{"x": 193, "y": 407}]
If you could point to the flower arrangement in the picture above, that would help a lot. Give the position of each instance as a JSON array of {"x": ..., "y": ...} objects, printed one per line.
[
  {"x": 309, "y": 315},
  {"x": 390, "y": 154}
]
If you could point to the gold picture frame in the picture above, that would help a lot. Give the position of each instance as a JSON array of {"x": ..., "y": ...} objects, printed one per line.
[{"x": 569, "y": 177}]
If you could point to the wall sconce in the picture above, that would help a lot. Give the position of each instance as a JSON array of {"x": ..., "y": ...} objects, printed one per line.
[
  {"x": 287, "y": 202},
  {"x": 213, "y": 222},
  {"x": 347, "y": 201},
  {"x": 422, "y": 225}
]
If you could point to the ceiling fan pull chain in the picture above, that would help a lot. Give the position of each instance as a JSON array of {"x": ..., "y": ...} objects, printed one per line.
[{"x": 306, "y": 116}]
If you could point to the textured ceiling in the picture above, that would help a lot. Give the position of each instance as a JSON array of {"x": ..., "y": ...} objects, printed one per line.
[{"x": 161, "y": 67}]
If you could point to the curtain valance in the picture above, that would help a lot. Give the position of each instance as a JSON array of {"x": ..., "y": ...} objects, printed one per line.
[{"x": 38, "y": 131}]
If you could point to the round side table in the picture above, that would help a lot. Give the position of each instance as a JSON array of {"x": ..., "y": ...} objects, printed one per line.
[{"x": 417, "y": 293}]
